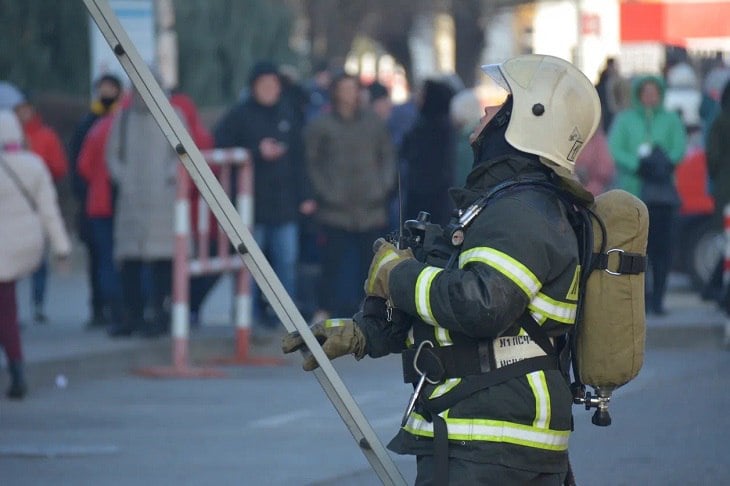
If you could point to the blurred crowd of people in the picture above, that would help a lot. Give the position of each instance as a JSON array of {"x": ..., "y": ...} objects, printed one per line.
[{"x": 336, "y": 166}]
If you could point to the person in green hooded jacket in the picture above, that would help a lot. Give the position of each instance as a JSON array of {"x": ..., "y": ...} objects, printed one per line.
[{"x": 647, "y": 141}]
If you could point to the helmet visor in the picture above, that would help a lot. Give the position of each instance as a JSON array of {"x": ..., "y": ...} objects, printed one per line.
[{"x": 494, "y": 71}]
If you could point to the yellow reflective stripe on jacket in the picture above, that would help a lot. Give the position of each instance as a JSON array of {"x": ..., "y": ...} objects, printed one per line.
[
  {"x": 550, "y": 308},
  {"x": 444, "y": 387},
  {"x": 443, "y": 337},
  {"x": 492, "y": 431},
  {"x": 410, "y": 340},
  {"x": 335, "y": 322},
  {"x": 385, "y": 258},
  {"x": 506, "y": 265},
  {"x": 539, "y": 387},
  {"x": 423, "y": 294}
]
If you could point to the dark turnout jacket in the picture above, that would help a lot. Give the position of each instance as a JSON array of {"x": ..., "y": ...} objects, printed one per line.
[
  {"x": 279, "y": 185},
  {"x": 519, "y": 261}
]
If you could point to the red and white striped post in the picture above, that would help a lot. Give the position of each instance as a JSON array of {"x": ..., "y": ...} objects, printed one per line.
[
  {"x": 193, "y": 263},
  {"x": 181, "y": 367},
  {"x": 243, "y": 300}
]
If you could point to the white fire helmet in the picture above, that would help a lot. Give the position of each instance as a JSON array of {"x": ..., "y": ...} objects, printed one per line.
[{"x": 555, "y": 108}]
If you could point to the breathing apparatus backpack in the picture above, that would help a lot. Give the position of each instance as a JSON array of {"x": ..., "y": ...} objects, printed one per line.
[
  {"x": 610, "y": 330},
  {"x": 606, "y": 345}
]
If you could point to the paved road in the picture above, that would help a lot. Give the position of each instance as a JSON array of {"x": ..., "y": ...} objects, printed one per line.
[{"x": 273, "y": 425}]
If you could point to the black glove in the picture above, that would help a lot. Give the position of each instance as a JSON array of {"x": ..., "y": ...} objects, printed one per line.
[
  {"x": 657, "y": 166},
  {"x": 385, "y": 328}
]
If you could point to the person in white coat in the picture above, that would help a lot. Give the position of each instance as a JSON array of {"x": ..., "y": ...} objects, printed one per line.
[{"x": 29, "y": 213}]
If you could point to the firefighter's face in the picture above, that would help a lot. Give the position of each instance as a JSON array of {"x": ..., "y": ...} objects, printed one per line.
[{"x": 489, "y": 112}]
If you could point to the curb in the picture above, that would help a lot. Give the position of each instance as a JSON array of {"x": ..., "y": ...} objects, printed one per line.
[{"x": 104, "y": 364}]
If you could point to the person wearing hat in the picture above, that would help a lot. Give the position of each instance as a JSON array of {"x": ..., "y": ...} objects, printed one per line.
[
  {"x": 29, "y": 214},
  {"x": 45, "y": 142},
  {"x": 485, "y": 320},
  {"x": 267, "y": 127}
]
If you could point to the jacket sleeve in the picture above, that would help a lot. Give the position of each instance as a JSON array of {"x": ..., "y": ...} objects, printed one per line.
[
  {"x": 383, "y": 335},
  {"x": 618, "y": 141},
  {"x": 501, "y": 269},
  {"x": 112, "y": 149},
  {"x": 59, "y": 162}
]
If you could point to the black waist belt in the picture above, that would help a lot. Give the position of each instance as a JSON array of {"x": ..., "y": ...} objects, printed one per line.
[{"x": 456, "y": 361}]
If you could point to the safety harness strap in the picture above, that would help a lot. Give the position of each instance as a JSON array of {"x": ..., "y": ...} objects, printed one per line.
[
  {"x": 465, "y": 389},
  {"x": 628, "y": 263}
]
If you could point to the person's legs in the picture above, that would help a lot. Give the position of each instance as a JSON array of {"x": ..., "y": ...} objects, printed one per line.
[
  {"x": 133, "y": 294},
  {"x": 40, "y": 276},
  {"x": 660, "y": 253},
  {"x": 334, "y": 252},
  {"x": 107, "y": 275},
  {"x": 284, "y": 249},
  {"x": 161, "y": 271},
  {"x": 10, "y": 339},
  {"x": 261, "y": 234},
  {"x": 98, "y": 318}
]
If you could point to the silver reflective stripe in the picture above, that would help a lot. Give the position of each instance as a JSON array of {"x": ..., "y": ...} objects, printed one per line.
[
  {"x": 542, "y": 399},
  {"x": 492, "y": 431},
  {"x": 563, "y": 312},
  {"x": 506, "y": 265},
  {"x": 423, "y": 294}
]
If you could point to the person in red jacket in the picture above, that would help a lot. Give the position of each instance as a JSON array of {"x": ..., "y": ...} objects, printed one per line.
[
  {"x": 44, "y": 142},
  {"x": 99, "y": 208}
]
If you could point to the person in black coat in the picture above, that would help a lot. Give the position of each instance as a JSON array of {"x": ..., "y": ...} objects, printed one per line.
[
  {"x": 428, "y": 151},
  {"x": 267, "y": 126}
]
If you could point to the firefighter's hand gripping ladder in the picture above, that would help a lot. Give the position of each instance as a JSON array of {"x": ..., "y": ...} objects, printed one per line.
[{"x": 241, "y": 238}]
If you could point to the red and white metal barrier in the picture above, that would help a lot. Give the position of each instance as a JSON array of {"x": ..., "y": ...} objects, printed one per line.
[{"x": 192, "y": 258}]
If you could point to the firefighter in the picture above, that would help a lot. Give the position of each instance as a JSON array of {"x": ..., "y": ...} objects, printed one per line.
[{"x": 481, "y": 316}]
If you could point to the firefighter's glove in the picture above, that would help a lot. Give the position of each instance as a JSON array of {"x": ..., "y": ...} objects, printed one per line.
[
  {"x": 338, "y": 337},
  {"x": 386, "y": 258}
]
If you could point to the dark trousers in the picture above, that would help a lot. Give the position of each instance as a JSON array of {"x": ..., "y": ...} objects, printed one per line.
[
  {"x": 346, "y": 257},
  {"x": 9, "y": 330},
  {"x": 463, "y": 473},
  {"x": 106, "y": 277},
  {"x": 87, "y": 238},
  {"x": 659, "y": 251},
  {"x": 133, "y": 289},
  {"x": 38, "y": 281}
]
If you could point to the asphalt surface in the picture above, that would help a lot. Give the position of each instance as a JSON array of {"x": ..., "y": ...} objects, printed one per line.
[{"x": 90, "y": 420}]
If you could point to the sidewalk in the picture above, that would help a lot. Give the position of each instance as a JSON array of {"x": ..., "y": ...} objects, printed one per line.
[{"x": 64, "y": 347}]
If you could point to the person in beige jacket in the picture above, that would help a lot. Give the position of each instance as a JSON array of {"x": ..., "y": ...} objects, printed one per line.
[{"x": 28, "y": 213}]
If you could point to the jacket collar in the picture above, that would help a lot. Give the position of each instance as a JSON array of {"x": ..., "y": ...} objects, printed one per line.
[{"x": 489, "y": 174}]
